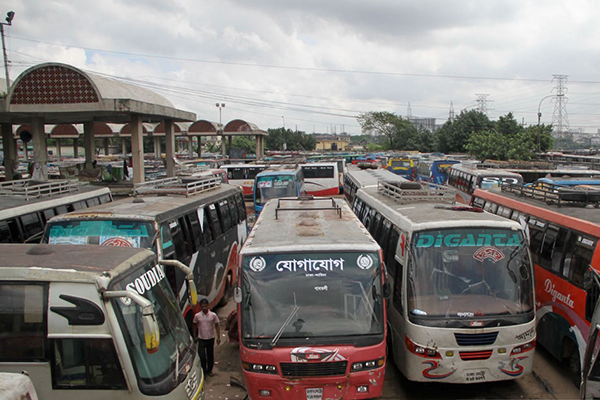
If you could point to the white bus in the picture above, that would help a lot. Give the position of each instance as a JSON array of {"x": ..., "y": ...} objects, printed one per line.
[
  {"x": 462, "y": 302},
  {"x": 26, "y": 205},
  {"x": 94, "y": 323},
  {"x": 356, "y": 179},
  {"x": 468, "y": 177},
  {"x": 202, "y": 224},
  {"x": 311, "y": 304},
  {"x": 321, "y": 178},
  {"x": 243, "y": 175}
]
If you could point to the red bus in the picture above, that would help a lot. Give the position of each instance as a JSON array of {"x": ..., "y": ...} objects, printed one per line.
[
  {"x": 563, "y": 230},
  {"x": 311, "y": 313}
]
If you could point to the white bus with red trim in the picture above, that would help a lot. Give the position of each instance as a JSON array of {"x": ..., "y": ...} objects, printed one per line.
[
  {"x": 311, "y": 304},
  {"x": 462, "y": 300},
  {"x": 321, "y": 178}
]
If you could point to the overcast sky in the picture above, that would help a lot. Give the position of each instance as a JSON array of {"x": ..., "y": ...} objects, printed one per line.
[{"x": 316, "y": 64}]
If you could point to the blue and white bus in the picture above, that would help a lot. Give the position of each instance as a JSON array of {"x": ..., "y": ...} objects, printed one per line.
[{"x": 275, "y": 182}]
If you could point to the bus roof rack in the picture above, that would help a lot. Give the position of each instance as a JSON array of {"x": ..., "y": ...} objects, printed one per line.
[
  {"x": 175, "y": 185},
  {"x": 33, "y": 189},
  {"x": 333, "y": 207},
  {"x": 555, "y": 194},
  {"x": 412, "y": 192}
]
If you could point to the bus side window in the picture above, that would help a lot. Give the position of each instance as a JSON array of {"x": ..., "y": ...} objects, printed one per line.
[
  {"x": 195, "y": 229},
  {"x": 31, "y": 223},
  {"x": 375, "y": 226},
  {"x": 389, "y": 255},
  {"x": 547, "y": 250},
  {"x": 578, "y": 257},
  {"x": 92, "y": 202},
  {"x": 215, "y": 224},
  {"x": 168, "y": 249},
  {"x": 86, "y": 363},
  {"x": 205, "y": 225},
  {"x": 79, "y": 205},
  {"x": 384, "y": 234},
  {"x": 23, "y": 322},
  {"x": 105, "y": 198},
  {"x": 536, "y": 236},
  {"x": 233, "y": 211},
  {"x": 397, "y": 299},
  {"x": 224, "y": 214},
  {"x": 8, "y": 231},
  {"x": 62, "y": 210},
  {"x": 241, "y": 207},
  {"x": 47, "y": 214},
  {"x": 181, "y": 242}
]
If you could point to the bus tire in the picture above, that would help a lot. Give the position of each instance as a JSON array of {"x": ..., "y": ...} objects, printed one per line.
[
  {"x": 575, "y": 366},
  {"x": 226, "y": 293}
]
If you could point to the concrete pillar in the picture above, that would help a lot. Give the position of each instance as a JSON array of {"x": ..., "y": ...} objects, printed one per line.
[
  {"x": 170, "y": 147},
  {"x": 157, "y": 149},
  {"x": 137, "y": 148},
  {"x": 88, "y": 144},
  {"x": 123, "y": 147},
  {"x": 257, "y": 146},
  {"x": 106, "y": 144},
  {"x": 190, "y": 140},
  {"x": 58, "y": 149},
  {"x": 75, "y": 148},
  {"x": 11, "y": 159},
  {"x": 222, "y": 145},
  {"x": 40, "y": 150}
]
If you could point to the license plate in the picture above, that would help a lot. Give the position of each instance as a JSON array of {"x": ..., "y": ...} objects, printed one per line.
[{"x": 314, "y": 394}]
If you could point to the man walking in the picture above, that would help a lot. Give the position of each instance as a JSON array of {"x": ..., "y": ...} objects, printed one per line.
[{"x": 205, "y": 324}]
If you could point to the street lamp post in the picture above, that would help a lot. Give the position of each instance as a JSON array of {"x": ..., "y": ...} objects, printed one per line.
[
  {"x": 539, "y": 145},
  {"x": 220, "y": 107},
  {"x": 9, "y": 17}
]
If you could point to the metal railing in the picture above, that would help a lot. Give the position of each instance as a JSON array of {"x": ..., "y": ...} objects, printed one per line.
[
  {"x": 333, "y": 207},
  {"x": 554, "y": 194},
  {"x": 33, "y": 189},
  {"x": 175, "y": 185},
  {"x": 412, "y": 192}
]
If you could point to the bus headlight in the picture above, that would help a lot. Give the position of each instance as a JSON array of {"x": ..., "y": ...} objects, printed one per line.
[
  {"x": 421, "y": 351},
  {"x": 367, "y": 365},
  {"x": 260, "y": 368},
  {"x": 523, "y": 348}
]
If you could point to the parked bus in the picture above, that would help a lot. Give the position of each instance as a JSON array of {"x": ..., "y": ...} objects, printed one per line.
[
  {"x": 243, "y": 175},
  {"x": 358, "y": 179},
  {"x": 201, "y": 224},
  {"x": 435, "y": 171},
  {"x": 26, "y": 205},
  {"x": 94, "y": 322},
  {"x": 555, "y": 184},
  {"x": 321, "y": 178},
  {"x": 406, "y": 167},
  {"x": 532, "y": 175},
  {"x": 462, "y": 300},
  {"x": 311, "y": 304},
  {"x": 341, "y": 166},
  {"x": 468, "y": 177},
  {"x": 284, "y": 180},
  {"x": 563, "y": 237}
]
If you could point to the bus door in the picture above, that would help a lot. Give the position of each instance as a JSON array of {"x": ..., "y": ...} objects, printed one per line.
[{"x": 209, "y": 265}]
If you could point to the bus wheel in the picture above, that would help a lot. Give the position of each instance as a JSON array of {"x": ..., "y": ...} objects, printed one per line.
[
  {"x": 575, "y": 366},
  {"x": 226, "y": 293}
]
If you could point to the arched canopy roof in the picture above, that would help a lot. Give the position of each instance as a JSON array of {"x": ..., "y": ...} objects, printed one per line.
[
  {"x": 203, "y": 127},
  {"x": 61, "y": 93},
  {"x": 241, "y": 127}
]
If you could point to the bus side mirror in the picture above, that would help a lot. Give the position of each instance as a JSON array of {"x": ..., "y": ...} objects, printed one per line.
[
  {"x": 237, "y": 294},
  {"x": 149, "y": 322},
  {"x": 189, "y": 276}
]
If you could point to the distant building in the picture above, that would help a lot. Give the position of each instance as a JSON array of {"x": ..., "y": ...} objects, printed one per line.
[
  {"x": 427, "y": 123},
  {"x": 332, "y": 142}
]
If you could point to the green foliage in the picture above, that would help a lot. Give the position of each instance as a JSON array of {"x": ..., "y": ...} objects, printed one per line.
[
  {"x": 293, "y": 140},
  {"x": 452, "y": 137},
  {"x": 248, "y": 144},
  {"x": 400, "y": 133}
]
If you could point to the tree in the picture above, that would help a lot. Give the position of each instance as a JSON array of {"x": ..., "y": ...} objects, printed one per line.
[
  {"x": 294, "y": 140},
  {"x": 453, "y": 136},
  {"x": 400, "y": 133}
]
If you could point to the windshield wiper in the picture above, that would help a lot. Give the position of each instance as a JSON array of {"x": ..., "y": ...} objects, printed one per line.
[{"x": 286, "y": 323}]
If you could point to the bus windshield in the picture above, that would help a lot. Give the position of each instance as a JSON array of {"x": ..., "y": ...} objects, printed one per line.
[
  {"x": 400, "y": 163},
  {"x": 101, "y": 232},
  {"x": 276, "y": 186},
  {"x": 311, "y": 296},
  {"x": 155, "y": 371},
  {"x": 469, "y": 273}
]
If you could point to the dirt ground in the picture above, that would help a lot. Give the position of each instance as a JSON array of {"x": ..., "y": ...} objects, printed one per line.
[{"x": 228, "y": 381}]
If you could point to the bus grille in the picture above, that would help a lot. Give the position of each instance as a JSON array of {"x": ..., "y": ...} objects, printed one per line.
[
  {"x": 475, "y": 355},
  {"x": 478, "y": 339},
  {"x": 314, "y": 369}
]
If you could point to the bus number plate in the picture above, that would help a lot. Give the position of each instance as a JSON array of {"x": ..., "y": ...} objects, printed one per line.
[{"x": 314, "y": 394}]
